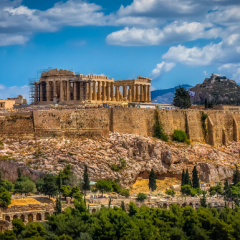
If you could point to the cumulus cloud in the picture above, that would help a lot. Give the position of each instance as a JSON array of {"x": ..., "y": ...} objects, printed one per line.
[
  {"x": 172, "y": 33},
  {"x": 162, "y": 68},
  {"x": 233, "y": 69},
  {"x": 14, "y": 91},
  {"x": 10, "y": 39}
]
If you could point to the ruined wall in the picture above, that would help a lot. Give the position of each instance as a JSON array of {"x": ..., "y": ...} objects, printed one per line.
[
  {"x": 222, "y": 126},
  {"x": 13, "y": 124},
  {"x": 83, "y": 122}
]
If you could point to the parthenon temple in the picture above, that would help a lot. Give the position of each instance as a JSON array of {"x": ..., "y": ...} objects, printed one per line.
[{"x": 66, "y": 87}]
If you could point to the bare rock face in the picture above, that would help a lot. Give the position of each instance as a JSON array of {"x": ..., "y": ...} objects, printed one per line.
[{"x": 140, "y": 153}]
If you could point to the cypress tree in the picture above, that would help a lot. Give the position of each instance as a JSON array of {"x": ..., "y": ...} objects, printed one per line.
[
  {"x": 86, "y": 182},
  {"x": 187, "y": 180},
  {"x": 236, "y": 176},
  {"x": 203, "y": 200},
  {"x": 58, "y": 206},
  {"x": 109, "y": 203},
  {"x": 123, "y": 206},
  {"x": 195, "y": 178},
  {"x": 152, "y": 181},
  {"x": 183, "y": 178},
  {"x": 206, "y": 103}
]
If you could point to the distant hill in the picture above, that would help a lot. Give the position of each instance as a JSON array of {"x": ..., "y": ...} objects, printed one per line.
[
  {"x": 218, "y": 90},
  {"x": 166, "y": 95}
]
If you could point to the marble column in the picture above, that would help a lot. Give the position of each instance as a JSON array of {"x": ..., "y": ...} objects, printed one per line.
[
  {"x": 108, "y": 91},
  {"x": 117, "y": 93},
  {"x": 104, "y": 91},
  {"x": 145, "y": 93},
  {"x": 125, "y": 92},
  {"x": 149, "y": 93},
  {"x": 74, "y": 91},
  {"x": 137, "y": 93},
  {"x": 133, "y": 92},
  {"x": 94, "y": 91},
  {"x": 90, "y": 91},
  {"x": 36, "y": 92},
  {"x": 141, "y": 93},
  {"x": 99, "y": 91},
  {"x": 68, "y": 90},
  {"x": 81, "y": 91},
  {"x": 47, "y": 91},
  {"x": 112, "y": 92},
  {"x": 130, "y": 95},
  {"x": 61, "y": 91},
  {"x": 41, "y": 92}
]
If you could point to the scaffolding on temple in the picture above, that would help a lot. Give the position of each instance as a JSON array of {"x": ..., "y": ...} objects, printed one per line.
[{"x": 31, "y": 84}]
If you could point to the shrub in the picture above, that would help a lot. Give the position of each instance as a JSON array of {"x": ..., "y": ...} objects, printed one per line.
[
  {"x": 141, "y": 197},
  {"x": 204, "y": 126},
  {"x": 159, "y": 131},
  {"x": 170, "y": 192},
  {"x": 180, "y": 136},
  {"x": 124, "y": 192},
  {"x": 122, "y": 164}
]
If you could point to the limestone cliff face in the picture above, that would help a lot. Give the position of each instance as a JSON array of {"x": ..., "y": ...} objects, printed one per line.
[{"x": 141, "y": 155}]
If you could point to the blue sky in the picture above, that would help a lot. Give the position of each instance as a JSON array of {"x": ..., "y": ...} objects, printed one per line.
[{"x": 173, "y": 42}]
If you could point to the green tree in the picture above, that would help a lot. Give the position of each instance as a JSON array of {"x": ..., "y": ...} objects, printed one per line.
[
  {"x": 152, "y": 181},
  {"x": 216, "y": 189},
  {"x": 86, "y": 182},
  {"x": 8, "y": 235},
  {"x": 236, "y": 191},
  {"x": 227, "y": 189},
  {"x": 84, "y": 236},
  {"x": 39, "y": 185},
  {"x": 5, "y": 197},
  {"x": 183, "y": 178},
  {"x": 195, "y": 178},
  {"x": 8, "y": 185},
  {"x": 66, "y": 191},
  {"x": 187, "y": 180},
  {"x": 50, "y": 187},
  {"x": 18, "y": 226},
  {"x": 28, "y": 187},
  {"x": 65, "y": 175},
  {"x": 203, "y": 200},
  {"x": 58, "y": 207},
  {"x": 104, "y": 186},
  {"x": 236, "y": 176},
  {"x": 141, "y": 197},
  {"x": 181, "y": 98},
  {"x": 76, "y": 194},
  {"x": 206, "y": 103}
]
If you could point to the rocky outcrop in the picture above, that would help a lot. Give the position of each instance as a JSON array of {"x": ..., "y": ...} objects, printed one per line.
[
  {"x": 218, "y": 89},
  {"x": 141, "y": 154}
]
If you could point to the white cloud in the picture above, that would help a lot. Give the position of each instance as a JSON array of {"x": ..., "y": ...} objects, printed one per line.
[
  {"x": 172, "y": 33},
  {"x": 162, "y": 68},
  {"x": 10, "y": 39},
  {"x": 10, "y": 92},
  {"x": 205, "y": 73},
  {"x": 233, "y": 69}
]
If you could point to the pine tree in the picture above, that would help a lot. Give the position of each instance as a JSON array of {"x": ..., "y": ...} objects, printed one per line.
[
  {"x": 152, "y": 181},
  {"x": 203, "y": 200},
  {"x": 195, "y": 178},
  {"x": 58, "y": 206},
  {"x": 236, "y": 176},
  {"x": 183, "y": 178},
  {"x": 86, "y": 182},
  {"x": 182, "y": 98},
  {"x": 187, "y": 180},
  {"x": 123, "y": 206}
]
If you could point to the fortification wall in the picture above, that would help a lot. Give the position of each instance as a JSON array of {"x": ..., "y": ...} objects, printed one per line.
[
  {"x": 12, "y": 124},
  {"x": 222, "y": 126}
]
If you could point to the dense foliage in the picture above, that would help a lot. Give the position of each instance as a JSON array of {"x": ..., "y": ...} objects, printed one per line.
[
  {"x": 142, "y": 223},
  {"x": 181, "y": 98}
]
